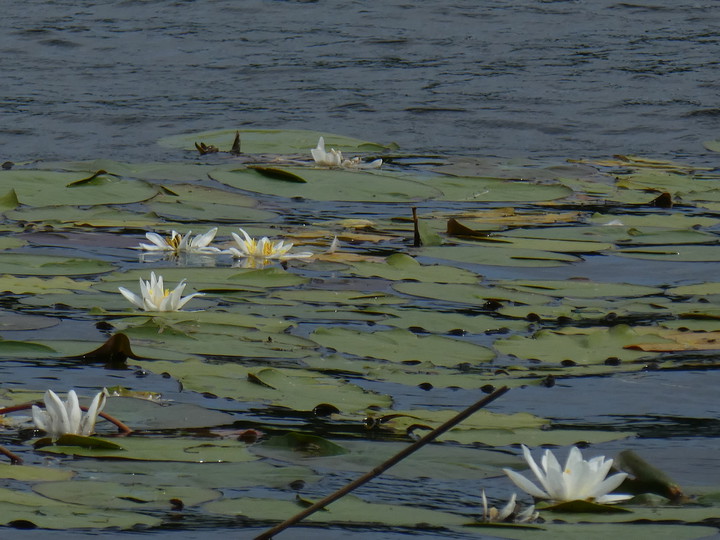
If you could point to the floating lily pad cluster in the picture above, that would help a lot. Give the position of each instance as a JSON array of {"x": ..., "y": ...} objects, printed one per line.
[{"x": 525, "y": 274}]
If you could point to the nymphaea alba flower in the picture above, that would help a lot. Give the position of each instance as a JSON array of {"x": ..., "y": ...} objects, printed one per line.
[
  {"x": 263, "y": 248},
  {"x": 155, "y": 297},
  {"x": 334, "y": 158},
  {"x": 510, "y": 513},
  {"x": 580, "y": 479},
  {"x": 66, "y": 418},
  {"x": 177, "y": 243}
]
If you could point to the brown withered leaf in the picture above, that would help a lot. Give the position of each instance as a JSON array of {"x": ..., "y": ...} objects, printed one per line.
[
  {"x": 206, "y": 149},
  {"x": 455, "y": 228},
  {"x": 113, "y": 353}
]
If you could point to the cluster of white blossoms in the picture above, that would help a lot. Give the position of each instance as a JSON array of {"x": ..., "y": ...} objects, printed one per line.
[
  {"x": 153, "y": 294},
  {"x": 66, "y": 418},
  {"x": 247, "y": 247},
  {"x": 334, "y": 158}
]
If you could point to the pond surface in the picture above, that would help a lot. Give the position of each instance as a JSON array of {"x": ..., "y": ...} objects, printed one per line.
[
  {"x": 526, "y": 78},
  {"x": 529, "y": 84}
]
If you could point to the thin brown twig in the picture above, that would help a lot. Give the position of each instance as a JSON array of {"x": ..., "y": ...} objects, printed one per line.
[{"x": 377, "y": 471}]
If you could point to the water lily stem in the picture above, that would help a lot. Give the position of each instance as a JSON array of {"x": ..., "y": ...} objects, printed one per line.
[
  {"x": 123, "y": 428},
  {"x": 14, "y": 458},
  {"x": 377, "y": 471}
]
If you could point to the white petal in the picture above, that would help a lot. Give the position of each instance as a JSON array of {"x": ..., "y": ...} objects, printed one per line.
[
  {"x": 236, "y": 253},
  {"x": 508, "y": 509},
  {"x": 40, "y": 417},
  {"x": 132, "y": 297},
  {"x": 202, "y": 240},
  {"x": 554, "y": 481},
  {"x": 186, "y": 299},
  {"x": 334, "y": 246},
  {"x": 527, "y": 515},
  {"x": 87, "y": 426},
  {"x": 607, "y": 485},
  {"x": 540, "y": 475},
  {"x": 526, "y": 485},
  {"x": 159, "y": 241},
  {"x": 55, "y": 408},
  {"x": 74, "y": 413},
  {"x": 611, "y": 499},
  {"x": 184, "y": 241},
  {"x": 170, "y": 302}
]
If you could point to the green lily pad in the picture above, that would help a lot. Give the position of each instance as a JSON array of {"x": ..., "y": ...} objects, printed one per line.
[
  {"x": 332, "y": 185},
  {"x": 25, "y": 264},
  {"x": 205, "y": 475},
  {"x": 402, "y": 346},
  {"x": 124, "y": 496},
  {"x": 471, "y": 188},
  {"x": 403, "y": 267},
  {"x": 296, "y": 389},
  {"x": 163, "y": 449},
  {"x": 17, "y": 506},
  {"x": 581, "y": 346},
  {"x": 348, "y": 509},
  {"x": 32, "y": 473},
  {"x": 72, "y": 217},
  {"x": 581, "y": 288},
  {"x": 50, "y": 188},
  {"x": 498, "y": 256},
  {"x": 690, "y": 253}
]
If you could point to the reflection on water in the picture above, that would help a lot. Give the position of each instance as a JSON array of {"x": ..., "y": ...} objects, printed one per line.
[{"x": 522, "y": 78}]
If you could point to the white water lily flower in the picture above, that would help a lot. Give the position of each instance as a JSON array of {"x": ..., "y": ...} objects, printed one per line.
[
  {"x": 508, "y": 513},
  {"x": 67, "y": 418},
  {"x": 579, "y": 480},
  {"x": 154, "y": 297},
  {"x": 334, "y": 158},
  {"x": 263, "y": 248},
  {"x": 177, "y": 243}
]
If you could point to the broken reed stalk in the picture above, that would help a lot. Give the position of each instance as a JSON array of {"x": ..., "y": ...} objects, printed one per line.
[
  {"x": 377, "y": 471},
  {"x": 417, "y": 241}
]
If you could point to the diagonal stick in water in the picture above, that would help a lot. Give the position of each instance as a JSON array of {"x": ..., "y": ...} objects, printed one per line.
[{"x": 377, "y": 471}]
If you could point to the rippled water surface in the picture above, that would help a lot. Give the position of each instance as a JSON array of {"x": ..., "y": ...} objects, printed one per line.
[{"x": 82, "y": 79}]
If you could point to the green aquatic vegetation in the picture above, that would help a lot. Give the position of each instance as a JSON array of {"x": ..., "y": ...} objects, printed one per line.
[{"x": 344, "y": 357}]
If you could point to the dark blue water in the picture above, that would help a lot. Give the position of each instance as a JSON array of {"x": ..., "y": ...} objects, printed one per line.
[{"x": 530, "y": 78}]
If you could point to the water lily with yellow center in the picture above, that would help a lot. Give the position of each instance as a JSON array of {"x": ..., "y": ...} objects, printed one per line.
[
  {"x": 66, "y": 418},
  {"x": 509, "y": 514},
  {"x": 263, "y": 248},
  {"x": 177, "y": 243},
  {"x": 334, "y": 158},
  {"x": 155, "y": 297},
  {"x": 580, "y": 479}
]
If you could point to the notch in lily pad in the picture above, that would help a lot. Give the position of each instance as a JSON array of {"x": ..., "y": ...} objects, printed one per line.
[{"x": 304, "y": 443}]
